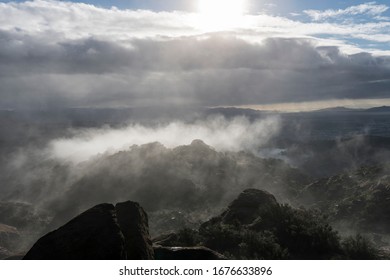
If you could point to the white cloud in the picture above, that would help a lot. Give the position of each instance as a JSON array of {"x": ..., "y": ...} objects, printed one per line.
[
  {"x": 62, "y": 53},
  {"x": 225, "y": 135},
  {"x": 69, "y": 20},
  {"x": 53, "y": 22},
  {"x": 371, "y": 9}
]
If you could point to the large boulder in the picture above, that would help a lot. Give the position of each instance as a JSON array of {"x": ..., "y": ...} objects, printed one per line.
[
  {"x": 133, "y": 222},
  {"x": 103, "y": 232},
  {"x": 246, "y": 208},
  {"x": 94, "y": 234}
]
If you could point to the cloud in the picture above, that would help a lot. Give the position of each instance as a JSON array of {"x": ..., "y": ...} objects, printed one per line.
[
  {"x": 58, "y": 20},
  {"x": 370, "y": 9},
  {"x": 55, "y": 54},
  {"x": 225, "y": 135},
  {"x": 217, "y": 70}
]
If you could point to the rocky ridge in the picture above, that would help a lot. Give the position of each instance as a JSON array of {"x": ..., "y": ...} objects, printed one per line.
[{"x": 254, "y": 226}]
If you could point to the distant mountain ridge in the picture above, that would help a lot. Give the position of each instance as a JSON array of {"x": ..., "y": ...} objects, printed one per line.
[
  {"x": 337, "y": 109},
  {"x": 384, "y": 109}
]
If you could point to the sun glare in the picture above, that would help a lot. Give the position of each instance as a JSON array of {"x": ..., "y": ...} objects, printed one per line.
[{"x": 218, "y": 15}]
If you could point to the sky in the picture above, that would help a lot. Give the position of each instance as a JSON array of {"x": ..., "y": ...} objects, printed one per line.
[{"x": 257, "y": 54}]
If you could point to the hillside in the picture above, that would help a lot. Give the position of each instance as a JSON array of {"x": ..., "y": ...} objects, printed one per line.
[
  {"x": 254, "y": 226},
  {"x": 188, "y": 182},
  {"x": 358, "y": 200},
  {"x": 185, "y": 186}
]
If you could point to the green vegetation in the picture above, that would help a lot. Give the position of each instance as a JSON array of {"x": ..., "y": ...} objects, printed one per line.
[
  {"x": 359, "y": 248},
  {"x": 280, "y": 232}
]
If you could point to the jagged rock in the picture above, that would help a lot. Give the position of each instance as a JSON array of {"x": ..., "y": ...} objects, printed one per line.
[
  {"x": 9, "y": 236},
  {"x": 246, "y": 208},
  {"x": 133, "y": 222},
  {"x": 102, "y": 232},
  {"x": 186, "y": 253},
  {"x": 93, "y": 234}
]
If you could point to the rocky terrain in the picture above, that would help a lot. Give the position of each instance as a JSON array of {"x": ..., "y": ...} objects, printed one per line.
[
  {"x": 181, "y": 188},
  {"x": 188, "y": 184},
  {"x": 254, "y": 226}
]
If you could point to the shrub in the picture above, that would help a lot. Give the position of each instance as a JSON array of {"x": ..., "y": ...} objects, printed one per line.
[{"x": 359, "y": 248}]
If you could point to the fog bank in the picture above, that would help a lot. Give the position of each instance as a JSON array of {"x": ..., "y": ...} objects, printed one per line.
[{"x": 223, "y": 134}]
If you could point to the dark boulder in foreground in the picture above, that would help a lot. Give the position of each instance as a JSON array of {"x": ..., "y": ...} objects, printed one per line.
[
  {"x": 133, "y": 222},
  {"x": 186, "y": 253},
  {"x": 94, "y": 234},
  {"x": 103, "y": 232},
  {"x": 246, "y": 207}
]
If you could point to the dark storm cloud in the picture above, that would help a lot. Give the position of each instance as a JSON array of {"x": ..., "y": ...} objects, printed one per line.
[
  {"x": 214, "y": 70},
  {"x": 72, "y": 54}
]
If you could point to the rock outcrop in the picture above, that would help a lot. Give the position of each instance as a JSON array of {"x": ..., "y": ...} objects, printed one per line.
[
  {"x": 133, "y": 222},
  {"x": 103, "y": 232},
  {"x": 254, "y": 226},
  {"x": 246, "y": 208}
]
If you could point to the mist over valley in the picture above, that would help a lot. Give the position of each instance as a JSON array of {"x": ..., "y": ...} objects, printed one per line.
[{"x": 186, "y": 169}]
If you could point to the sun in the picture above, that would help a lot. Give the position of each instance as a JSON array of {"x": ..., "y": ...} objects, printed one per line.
[{"x": 218, "y": 15}]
